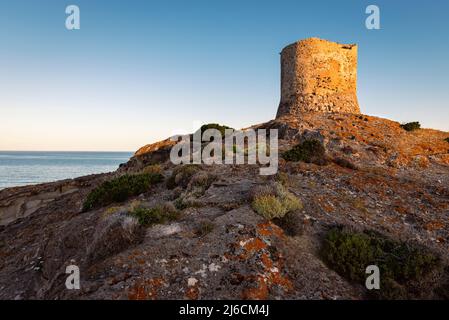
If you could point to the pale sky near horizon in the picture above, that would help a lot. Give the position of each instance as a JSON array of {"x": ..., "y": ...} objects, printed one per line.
[{"x": 138, "y": 70}]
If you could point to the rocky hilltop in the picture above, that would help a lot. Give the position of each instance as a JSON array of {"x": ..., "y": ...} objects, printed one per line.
[{"x": 351, "y": 190}]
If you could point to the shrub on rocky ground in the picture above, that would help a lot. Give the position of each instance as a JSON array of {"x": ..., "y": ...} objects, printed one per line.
[
  {"x": 114, "y": 234},
  {"x": 291, "y": 223},
  {"x": 310, "y": 151},
  {"x": 157, "y": 215},
  {"x": 274, "y": 201},
  {"x": 411, "y": 126},
  {"x": 153, "y": 168},
  {"x": 282, "y": 178},
  {"x": 181, "y": 175},
  {"x": 204, "y": 227},
  {"x": 216, "y": 126},
  {"x": 345, "y": 163},
  {"x": 202, "y": 180},
  {"x": 120, "y": 189},
  {"x": 447, "y": 139},
  {"x": 403, "y": 267}
]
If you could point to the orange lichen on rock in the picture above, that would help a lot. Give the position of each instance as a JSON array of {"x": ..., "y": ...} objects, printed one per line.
[
  {"x": 434, "y": 225},
  {"x": 146, "y": 290},
  {"x": 254, "y": 245},
  {"x": 269, "y": 274},
  {"x": 193, "y": 293},
  {"x": 259, "y": 292},
  {"x": 269, "y": 229}
]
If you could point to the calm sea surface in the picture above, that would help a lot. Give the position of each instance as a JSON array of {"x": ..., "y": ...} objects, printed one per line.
[{"x": 22, "y": 168}]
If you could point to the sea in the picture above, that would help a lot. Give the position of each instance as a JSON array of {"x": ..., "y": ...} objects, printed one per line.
[{"x": 19, "y": 168}]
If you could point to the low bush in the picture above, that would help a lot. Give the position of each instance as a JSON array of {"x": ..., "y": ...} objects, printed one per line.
[
  {"x": 447, "y": 139},
  {"x": 156, "y": 215},
  {"x": 217, "y": 126},
  {"x": 282, "y": 178},
  {"x": 184, "y": 202},
  {"x": 411, "y": 126},
  {"x": 181, "y": 175},
  {"x": 120, "y": 189},
  {"x": 344, "y": 163},
  {"x": 202, "y": 180},
  {"x": 153, "y": 168},
  {"x": 274, "y": 202},
  {"x": 204, "y": 228},
  {"x": 291, "y": 223},
  {"x": 400, "y": 264},
  {"x": 113, "y": 234},
  {"x": 310, "y": 151}
]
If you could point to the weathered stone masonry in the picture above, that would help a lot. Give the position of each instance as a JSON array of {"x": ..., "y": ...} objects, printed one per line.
[{"x": 318, "y": 75}]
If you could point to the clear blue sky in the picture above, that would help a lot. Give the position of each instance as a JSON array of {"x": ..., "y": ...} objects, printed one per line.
[{"x": 137, "y": 70}]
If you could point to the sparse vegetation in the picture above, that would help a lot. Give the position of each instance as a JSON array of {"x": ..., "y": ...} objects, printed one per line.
[
  {"x": 181, "y": 175},
  {"x": 204, "y": 228},
  {"x": 345, "y": 163},
  {"x": 282, "y": 178},
  {"x": 310, "y": 151},
  {"x": 447, "y": 139},
  {"x": 156, "y": 215},
  {"x": 182, "y": 203},
  {"x": 153, "y": 168},
  {"x": 120, "y": 189},
  {"x": 217, "y": 126},
  {"x": 274, "y": 202},
  {"x": 202, "y": 180},
  {"x": 411, "y": 126},
  {"x": 110, "y": 211},
  {"x": 291, "y": 223},
  {"x": 401, "y": 264}
]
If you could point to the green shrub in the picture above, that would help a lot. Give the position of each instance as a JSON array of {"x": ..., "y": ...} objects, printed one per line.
[
  {"x": 157, "y": 215},
  {"x": 275, "y": 203},
  {"x": 269, "y": 207},
  {"x": 181, "y": 175},
  {"x": 217, "y": 126},
  {"x": 120, "y": 189},
  {"x": 411, "y": 126},
  {"x": 447, "y": 139},
  {"x": 349, "y": 253},
  {"x": 310, "y": 151}
]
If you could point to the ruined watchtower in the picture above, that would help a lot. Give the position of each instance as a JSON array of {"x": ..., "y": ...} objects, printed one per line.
[{"x": 318, "y": 75}]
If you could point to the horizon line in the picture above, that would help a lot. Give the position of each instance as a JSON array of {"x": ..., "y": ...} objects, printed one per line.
[{"x": 68, "y": 151}]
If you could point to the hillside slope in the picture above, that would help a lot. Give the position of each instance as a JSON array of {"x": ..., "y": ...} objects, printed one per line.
[{"x": 212, "y": 244}]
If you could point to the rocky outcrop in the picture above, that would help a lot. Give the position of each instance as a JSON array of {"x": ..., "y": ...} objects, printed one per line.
[{"x": 20, "y": 202}]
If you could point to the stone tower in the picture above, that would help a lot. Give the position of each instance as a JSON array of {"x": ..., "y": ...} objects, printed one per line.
[{"x": 318, "y": 75}]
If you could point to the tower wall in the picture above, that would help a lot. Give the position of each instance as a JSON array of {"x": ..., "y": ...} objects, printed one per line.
[{"x": 320, "y": 76}]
